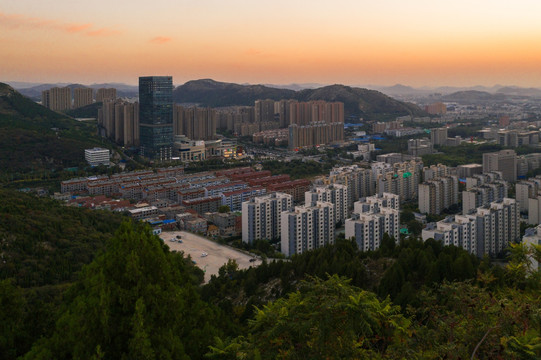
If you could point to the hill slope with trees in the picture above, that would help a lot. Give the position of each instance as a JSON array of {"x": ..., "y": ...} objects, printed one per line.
[
  {"x": 34, "y": 139},
  {"x": 359, "y": 102}
]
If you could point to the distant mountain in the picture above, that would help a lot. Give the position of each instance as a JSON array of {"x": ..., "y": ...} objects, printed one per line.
[
  {"x": 296, "y": 87},
  {"x": 34, "y": 138},
  {"x": 473, "y": 96},
  {"x": 517, "y": 91},
  {"x": 369, "y": 104}
]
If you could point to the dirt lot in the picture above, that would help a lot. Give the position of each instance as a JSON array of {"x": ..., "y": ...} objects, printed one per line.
[{"x": 218, "y": 255}]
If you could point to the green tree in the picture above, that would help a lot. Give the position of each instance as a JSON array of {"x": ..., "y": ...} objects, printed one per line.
[
  {"x": 325, "y": 319},
  {"x": 135, "y": 301}
]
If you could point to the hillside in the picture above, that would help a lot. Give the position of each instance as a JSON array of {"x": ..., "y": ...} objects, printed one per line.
[
  {"x": 212, "y": 93},
  {"x": 36, "y": 139},
  {"x": 369, "y": 104},
  {"x": 88, "y": 111}
]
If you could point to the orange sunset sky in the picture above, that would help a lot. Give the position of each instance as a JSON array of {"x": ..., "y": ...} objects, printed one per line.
[{"x": 384, "y": 42}]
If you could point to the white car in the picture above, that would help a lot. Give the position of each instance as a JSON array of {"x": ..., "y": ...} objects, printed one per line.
[
  {"x": 173, "y": 240},
  {"x": 203, "y": 254}
]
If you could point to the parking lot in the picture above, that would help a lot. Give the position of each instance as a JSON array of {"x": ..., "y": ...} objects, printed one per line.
[{"x": 217, "y": 255}]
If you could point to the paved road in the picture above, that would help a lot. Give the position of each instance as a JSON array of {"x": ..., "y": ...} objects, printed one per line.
[{"x": 218, "y": 255}]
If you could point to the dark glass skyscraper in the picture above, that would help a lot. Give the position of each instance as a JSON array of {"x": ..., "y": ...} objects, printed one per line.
[{"x": 156, "y": 116}]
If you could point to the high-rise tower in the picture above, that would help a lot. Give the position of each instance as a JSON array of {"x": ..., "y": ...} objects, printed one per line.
[{"x": 156, "y": 116}]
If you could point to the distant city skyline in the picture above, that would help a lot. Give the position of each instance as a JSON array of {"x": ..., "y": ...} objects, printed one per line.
[{"x": 416, "y": 43}]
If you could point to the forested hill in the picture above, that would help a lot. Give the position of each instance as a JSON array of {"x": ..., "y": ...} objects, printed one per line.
[
  {"x": 36, "y": 139},
  {"x": 369, "y": 104}
]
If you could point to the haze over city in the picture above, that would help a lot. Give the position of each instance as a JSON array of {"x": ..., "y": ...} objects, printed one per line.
[{"x": 418, "y": 43}]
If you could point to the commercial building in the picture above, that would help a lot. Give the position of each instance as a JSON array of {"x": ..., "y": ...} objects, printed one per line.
[
  {"x": 496, "y": 226},
  {"x": 307, "y": 228},
  {"x": 438, "y": 194},
  {"x": 56, "y": 99},
  {"x": 156, "y": 117},
  {"x": 504, "y": 161},
  {"x": 261, "y": 216},
  {"x": 336, "y": 194},
  {"x": 82, "y": 97},
  {"x": 372, "y": 218},
  {"x": 97, "y": 156}
]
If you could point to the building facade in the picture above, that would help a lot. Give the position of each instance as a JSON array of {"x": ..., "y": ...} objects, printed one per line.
[
  {"x": 307, "y": 228},
  {"x": 156, "y": 116},
  {"x": 261, "y": 216}
]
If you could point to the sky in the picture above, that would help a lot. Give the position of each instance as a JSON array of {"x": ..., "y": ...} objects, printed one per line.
[{"x": 379, "y": 42}]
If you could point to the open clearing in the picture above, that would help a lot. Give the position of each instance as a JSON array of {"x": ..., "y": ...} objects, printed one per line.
[{"x": 217, "y": 255}]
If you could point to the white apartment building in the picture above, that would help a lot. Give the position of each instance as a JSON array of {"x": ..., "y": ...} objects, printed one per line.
[
  {"x": 97, "y": 156},
  {"x": 336, "y": 194},
  {"x": 261, "y": 216},
  {"x": 372, "y": 217},
  {"x": 438, "y": 194},
  {"x": 496, "y": 226},
  {"x": 307, "y": 228}
]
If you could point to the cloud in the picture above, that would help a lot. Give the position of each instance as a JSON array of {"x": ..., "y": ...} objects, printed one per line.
[
  {"x": 160, "y": 40},
  {"x": 16, "y": 21}
]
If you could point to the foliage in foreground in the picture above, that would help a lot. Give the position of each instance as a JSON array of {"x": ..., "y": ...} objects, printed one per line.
[
  {"x": 135, "y": 301},
  {"x": 323, "y": 320}
]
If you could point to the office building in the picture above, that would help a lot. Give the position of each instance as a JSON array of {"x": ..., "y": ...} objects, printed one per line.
[
  {"x": 103, "y": 94},
  {"x": 261, "y": 216},
  {"x": 438, "y": 136},
  {"x": 336, "y": 194},
  {"x": 438, "y": 194},
  {"x": 307, "y": 228},
  {"x": 82, "y": 97},
  {"x": 504, "y": 161},
  {"x": 156, "y": 117},
  {"x": 372, "y": 218},
  {"x": 496, "y": 226},
  {"x": 97, "y": 156},
  {"x": 56, "y": 99}
]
